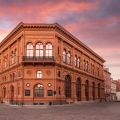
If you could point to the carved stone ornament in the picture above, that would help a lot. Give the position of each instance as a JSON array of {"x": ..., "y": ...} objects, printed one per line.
[
  {"x": 29, "y": 72},
  {"x": 48, "y": 72}
]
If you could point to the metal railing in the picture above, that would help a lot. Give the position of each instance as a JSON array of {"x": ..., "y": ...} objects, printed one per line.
[{"x": 37, "y": 58}]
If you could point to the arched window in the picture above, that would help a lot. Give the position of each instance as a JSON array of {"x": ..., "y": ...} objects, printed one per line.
[
  {"x": 39, "y": 74},
  {"x": 93, "y": 70},
  {"x": 98, "y": 72},
  {"x": 38, "y": 90},
  {"x": 68, "y": 58},
  {"x": 48, "y": 49},
  {"x": 75, "y": 61},
  {"x": 78, "y": 63},
  {"x": 84, "y": 65},
  {"x": 12, "y": 92},
  {"x": 12, "y": 55},
  {"x": 64, "y": 56},
  {"x": 58, "y": 73},
  {"x": 67, "y": 86},
  {"x": 86, "y": 90},
  {"x": 98, "y": 90},
  {"x": 13, "y": 76},
  {"x": 39, "y": 49},
  {"x": 29, "y": 49},
  {"x": 93, "y": 90},
  {"x": 15, "y": 56},
  {"x": 5, "y": 78},
  {"x": 10, "y": 77},
  {"x": 5, "y": 62},
  {"x": 78, "y": 89},
  {"x": 4, "y": 89}
]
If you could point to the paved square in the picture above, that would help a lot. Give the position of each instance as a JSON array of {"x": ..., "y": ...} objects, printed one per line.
[{"x": 88, "y": 111}]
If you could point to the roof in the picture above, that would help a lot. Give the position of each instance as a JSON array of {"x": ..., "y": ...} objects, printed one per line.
[{"x": 55, "y": 26}]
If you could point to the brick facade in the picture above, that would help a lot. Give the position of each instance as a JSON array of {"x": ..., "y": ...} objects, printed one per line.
[{"x": 42, "y": 63}]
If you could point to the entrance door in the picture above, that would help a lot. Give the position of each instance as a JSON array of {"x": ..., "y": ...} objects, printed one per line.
[{"x": 78, "y": 89}]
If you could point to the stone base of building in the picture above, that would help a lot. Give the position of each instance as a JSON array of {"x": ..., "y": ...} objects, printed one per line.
[{"x": 58, "y": 102}]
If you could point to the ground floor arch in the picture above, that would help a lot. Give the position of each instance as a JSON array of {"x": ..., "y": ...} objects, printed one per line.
[{"x": 78, "y": 89}]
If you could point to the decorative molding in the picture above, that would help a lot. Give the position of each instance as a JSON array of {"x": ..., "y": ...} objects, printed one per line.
[
  {"x": 29, "y": 73},
  {"x": 48, "y": 72}
]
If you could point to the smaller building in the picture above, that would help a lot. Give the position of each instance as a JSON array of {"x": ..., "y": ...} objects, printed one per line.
[
  {"x": 107, "y": 78},
  {"x": 113, "y": 90},
  {"x": 117, "y": 89}
]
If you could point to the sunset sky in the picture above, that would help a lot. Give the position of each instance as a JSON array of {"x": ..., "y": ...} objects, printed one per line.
[{"x": 94, "y": 22}]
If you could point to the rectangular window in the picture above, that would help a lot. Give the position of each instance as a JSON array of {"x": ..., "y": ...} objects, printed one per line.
[
  {"x": 50, "y": 92},
  {"x": 27, "y": 92}
]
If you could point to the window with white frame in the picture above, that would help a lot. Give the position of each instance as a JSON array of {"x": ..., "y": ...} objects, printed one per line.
[
  {"x": 68, "y": 58},
  {"x": 39, "y": 74},
  {"x": 5, "y": 62},
  {"x": 78, "y": 63},
  {"x": 29, "y": 49},
  {"x": 48, "y": 49},
  {"x": 64, "y": 56},
  {"x": 12, "y": 55},
  {"x": 39, "y": 49}
]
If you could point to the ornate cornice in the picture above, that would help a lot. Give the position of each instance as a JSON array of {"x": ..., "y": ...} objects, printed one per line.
[{"x": 54, "y": 26}]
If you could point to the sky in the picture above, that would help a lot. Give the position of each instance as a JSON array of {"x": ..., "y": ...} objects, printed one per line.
[{"x": 96, "y": 23}]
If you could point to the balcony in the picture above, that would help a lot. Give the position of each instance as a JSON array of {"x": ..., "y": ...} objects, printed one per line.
[{"x": 38, "y": 59}]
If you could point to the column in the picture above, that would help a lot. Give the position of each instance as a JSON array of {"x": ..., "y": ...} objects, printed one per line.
[
  {"x": 90, "y": 91},
  {"x": 34, "y": 50},
  {"x": 44, "y": 51}
]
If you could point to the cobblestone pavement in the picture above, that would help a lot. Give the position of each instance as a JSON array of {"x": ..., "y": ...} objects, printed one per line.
[{"x": 89, "y": 111}]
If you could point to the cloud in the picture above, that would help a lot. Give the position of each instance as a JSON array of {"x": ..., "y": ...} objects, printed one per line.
[{"x": 94, "y": 22}]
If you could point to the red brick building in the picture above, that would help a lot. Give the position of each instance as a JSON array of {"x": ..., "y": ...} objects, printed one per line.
[
  {"x": 107, "y": 78},
  {"x": 42, "y": 63}
]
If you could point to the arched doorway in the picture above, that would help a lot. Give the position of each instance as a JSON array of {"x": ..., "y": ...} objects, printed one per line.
[
  {"x": 12, "y": 93},
  {"x": 78, "y": 89},
  {"x": 67, "y": 86},
  {"x": 86, "y": 90},
  {"x": 98, "y": 90},
  {"x": 38, "y": 90},
  {"x": 93, "y": 90}
]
